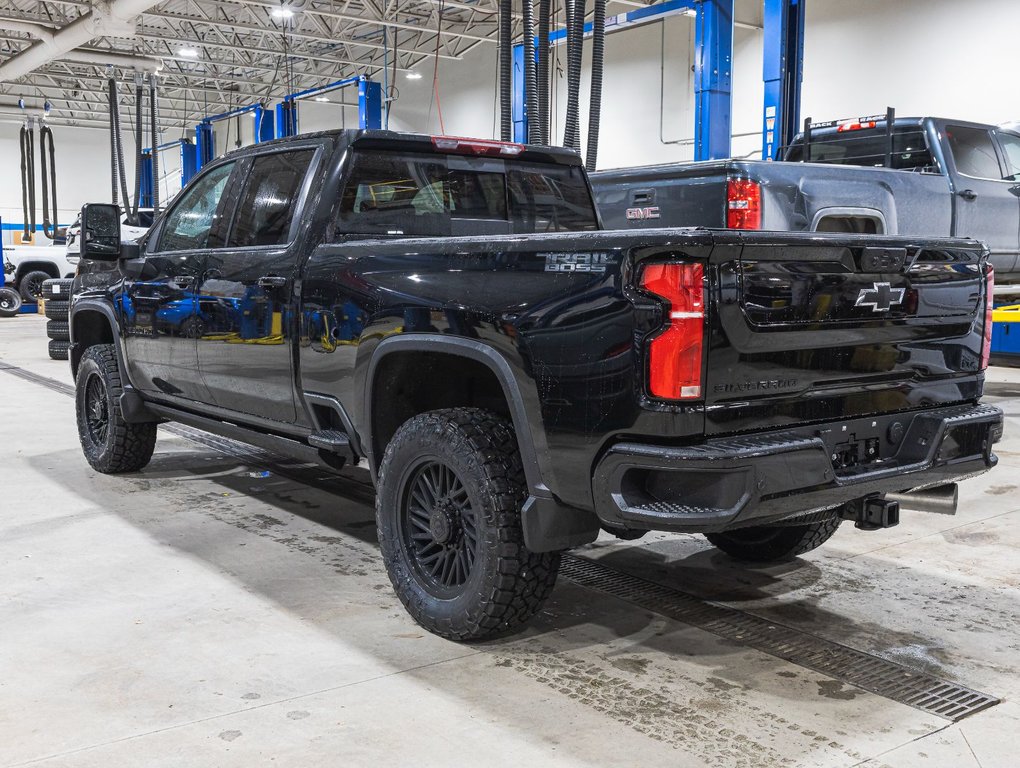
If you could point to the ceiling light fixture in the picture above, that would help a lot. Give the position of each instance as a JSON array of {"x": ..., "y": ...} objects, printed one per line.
[
  {"x": 414, "y": 75},
  {"x": 187, "y": 52},
  {"x": 322, "y": 98},
  {"x": 283, "y": 12}
]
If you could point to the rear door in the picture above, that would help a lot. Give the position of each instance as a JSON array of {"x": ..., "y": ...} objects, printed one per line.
[
  {"x": 986, "y": 208},
  {"x": 1009, "y": 144},
  {"x": 159, "y": 302},
  {"x": 819, "y": 331},
  {"x": 245, "y": 304}
]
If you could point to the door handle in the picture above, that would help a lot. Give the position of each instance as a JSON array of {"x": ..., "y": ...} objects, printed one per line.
[
  {"x": 271, "y": 281},
  {"x": 968, "y": 194}
]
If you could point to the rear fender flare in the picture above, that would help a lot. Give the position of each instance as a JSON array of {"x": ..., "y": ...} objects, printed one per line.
[{"x": 520, "y": 399}]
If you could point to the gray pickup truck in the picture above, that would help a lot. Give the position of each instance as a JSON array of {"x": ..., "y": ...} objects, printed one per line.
[{"x": 908, "y": 176}]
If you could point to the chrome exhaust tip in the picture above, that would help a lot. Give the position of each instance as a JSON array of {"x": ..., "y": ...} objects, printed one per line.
[{"x": 941, "y": 500}]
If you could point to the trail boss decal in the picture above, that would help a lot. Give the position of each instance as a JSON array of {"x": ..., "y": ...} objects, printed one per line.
[{"x": 576, "y": 262}]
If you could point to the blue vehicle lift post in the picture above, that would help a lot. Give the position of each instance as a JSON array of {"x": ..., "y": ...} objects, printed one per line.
[
  {"x": 713, "y": 67},
  {"x": 783, "y": 72},
  {"x": 370, "y": 104},
  {"x": 189, "y": 163},
  {"x": 519, "y": 96}
]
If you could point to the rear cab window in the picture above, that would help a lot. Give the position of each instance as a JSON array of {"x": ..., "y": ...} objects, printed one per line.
[
  {"x": 421, "y": 194},
  {"x": 867, "y": 147},
  {"x": 1010, "y": 143}
]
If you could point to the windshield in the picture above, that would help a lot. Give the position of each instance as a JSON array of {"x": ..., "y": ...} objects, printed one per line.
[
  {"x": 434, "y": 195},
  {"x": 867, "y": 146}
]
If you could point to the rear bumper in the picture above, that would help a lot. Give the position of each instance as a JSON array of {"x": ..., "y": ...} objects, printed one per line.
[{"x": 732, "y": 482}]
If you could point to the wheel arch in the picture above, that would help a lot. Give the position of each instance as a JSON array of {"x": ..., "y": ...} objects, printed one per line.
[
  {"x": 25, "y": 267},
  {"x": 486, "y": 368},
  {"x": 91, "y": 323}
]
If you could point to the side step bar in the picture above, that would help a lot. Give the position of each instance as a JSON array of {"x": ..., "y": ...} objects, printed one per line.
[{"x": 275, "y": 443}]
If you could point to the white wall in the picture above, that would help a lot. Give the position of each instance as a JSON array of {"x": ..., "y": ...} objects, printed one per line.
[{"x": 920, "y": 56}]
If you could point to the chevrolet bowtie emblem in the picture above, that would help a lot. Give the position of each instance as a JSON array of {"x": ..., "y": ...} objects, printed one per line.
[{"x": 880, "y": 298}]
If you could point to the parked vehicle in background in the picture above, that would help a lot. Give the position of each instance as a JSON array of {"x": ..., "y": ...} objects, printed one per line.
[
  {"x": 448, "y": 310},
  {"x": 916, "y": 176},
  {"x": 33, "y": 265}
]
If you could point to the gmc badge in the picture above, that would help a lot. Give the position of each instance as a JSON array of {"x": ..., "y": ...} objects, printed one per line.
[{"x": 642, "y": 214}]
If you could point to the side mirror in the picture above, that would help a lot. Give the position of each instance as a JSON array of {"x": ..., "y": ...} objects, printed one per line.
[{"x": 100, "y": 232}]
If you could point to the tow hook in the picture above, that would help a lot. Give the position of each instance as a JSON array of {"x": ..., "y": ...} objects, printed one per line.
[{"x": 872, "y": 513}]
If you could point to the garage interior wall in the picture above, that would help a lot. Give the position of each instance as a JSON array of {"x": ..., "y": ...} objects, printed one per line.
[{"x": 850, "y": 50}]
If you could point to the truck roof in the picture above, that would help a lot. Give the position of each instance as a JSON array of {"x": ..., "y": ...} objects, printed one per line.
[{"x": 423, "y": 142}]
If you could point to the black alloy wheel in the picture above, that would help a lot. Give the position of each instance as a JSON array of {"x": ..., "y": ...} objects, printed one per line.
[
  {"x": 97, "y": 410},
  {"x": 440, "y": 528}
]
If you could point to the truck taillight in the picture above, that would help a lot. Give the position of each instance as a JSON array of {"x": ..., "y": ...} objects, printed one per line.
[
  {"x": 476, "y": 146},
  {"x": 986, "y": 341},
  {"x": 674, "y": 355},
  {"x": 743, "y": 204}
]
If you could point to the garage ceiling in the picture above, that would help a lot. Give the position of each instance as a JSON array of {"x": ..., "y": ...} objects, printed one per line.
[{"x": 241, "y": 51}]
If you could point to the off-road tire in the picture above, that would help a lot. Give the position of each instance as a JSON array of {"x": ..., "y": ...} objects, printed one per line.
[
  {"x": 30, "y": 285},
  {"x": 10, "y": 302},
  {"x": 65, "y": 284},
  {"x": 58, "y": 349},
  {"x": 57, "y": 310},
  {"x": 58, "y": 330},
  {"x": 774, "y": 543},
  {"x": 121, "y": 447},
  {"x": 506, "y": 584}
]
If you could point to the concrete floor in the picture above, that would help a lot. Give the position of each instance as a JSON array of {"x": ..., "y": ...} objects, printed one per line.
[{"x": 200, "y": 613}]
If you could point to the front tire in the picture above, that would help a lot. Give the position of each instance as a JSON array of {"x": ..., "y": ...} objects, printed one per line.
[
  {"x": 448, "y": 510},
  {"x": 774, "y": 543},
  {"x": 110, "y": 444}
]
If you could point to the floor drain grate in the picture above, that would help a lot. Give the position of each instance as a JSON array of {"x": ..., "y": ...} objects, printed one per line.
[{"x": 872, "y": 673}]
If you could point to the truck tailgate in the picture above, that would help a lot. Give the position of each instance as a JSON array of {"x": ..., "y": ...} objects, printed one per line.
[{"x": 820, "y": 328}]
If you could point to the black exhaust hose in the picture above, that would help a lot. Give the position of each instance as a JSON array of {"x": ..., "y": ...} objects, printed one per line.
[
  {"x": 154, "y": 127},
  {"x": 598, "y": 47},
  {"x": 542, "y": 70},
  {"x": 505, "y": 71},
  {"x": 119, "y": 141},
  {"x": 111, "y": 102},
  {"x": 25, "y": 160},
  {"x": 46, "y": 142},
  {"x": 530, "y": 74},
  {"x": 31, "y": 181},
  {"x": 139, "y": 106},
  {"x": 575, "y": 50}
]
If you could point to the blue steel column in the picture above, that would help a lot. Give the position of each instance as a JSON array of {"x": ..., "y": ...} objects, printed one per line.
[
  {"x": 713, "y": 63},
  {"x": 145, "y": 180},
  {"x": 370, "y": 105},
  {"x": 205, "y": 149},
  {"x": 286, "y": 118},
  {"x": 783, "y": 72},
  {"x": 189, "y": 161},
  {"x": 263, "y": 129},
  {"x": 518, "y": 97}
]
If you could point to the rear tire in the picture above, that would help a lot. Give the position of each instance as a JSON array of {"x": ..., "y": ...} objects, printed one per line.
[
  {"x": 774, "y": 543},
  {"x": 31, "y": 285},
  {"x": 10, "y": 302},
  {"x": 58, "y": 349},
  {"x": 110, "y": 444},
  {"x": 448, "y": 510}
]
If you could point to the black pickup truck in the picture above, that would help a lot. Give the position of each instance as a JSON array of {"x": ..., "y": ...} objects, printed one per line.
[{"x": 449, "y": 312}]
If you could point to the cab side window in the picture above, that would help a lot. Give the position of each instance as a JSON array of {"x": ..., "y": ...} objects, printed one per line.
[
  {"x": 1010, "y": 144},
  {"x": 196, "y": 221},
  {"x": 269, "y": 200},
  {"x": 974, "y": 152}
]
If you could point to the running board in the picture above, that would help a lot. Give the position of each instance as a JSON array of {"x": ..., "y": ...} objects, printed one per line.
[{"x": 274, "y": 443}]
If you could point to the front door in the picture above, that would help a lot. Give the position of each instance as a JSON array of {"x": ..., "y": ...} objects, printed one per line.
[
  {"x": 986, "y": 209},
  {"x": 246, "y": 304},
  {"x": 158, "y": 305}
]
